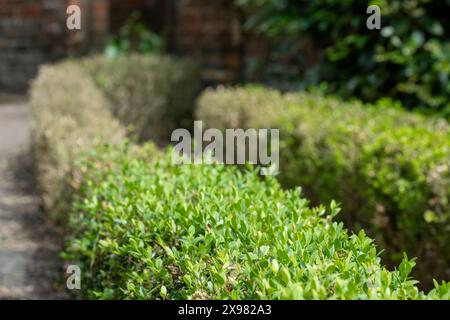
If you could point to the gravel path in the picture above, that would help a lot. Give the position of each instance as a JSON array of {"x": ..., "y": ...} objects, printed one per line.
[{"x": 29, "y": 264}]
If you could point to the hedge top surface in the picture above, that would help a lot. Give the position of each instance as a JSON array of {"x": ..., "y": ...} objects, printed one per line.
[
  {"x": 245, "y": 103},
  {"x": 152, "y": 93},
  {"x": 67, "y": 114},
  {"x": 389, "y": 168},
  {"x": 150, "y": 231},
  {"x": 403, "y": 155}
]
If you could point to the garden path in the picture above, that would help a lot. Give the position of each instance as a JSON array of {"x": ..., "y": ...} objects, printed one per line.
[{"x": 29, "y": 264}]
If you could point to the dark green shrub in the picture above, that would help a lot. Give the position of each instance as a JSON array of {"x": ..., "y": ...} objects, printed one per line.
[
  {"x": 389, "y": 168},
  {"x": 408, "y": 59},
  {"x": 134, "y": 37},
  {"x": 68, "y": 114},
  {"x": 146, "y": 230},
  {"x": 152, "y": 93}
]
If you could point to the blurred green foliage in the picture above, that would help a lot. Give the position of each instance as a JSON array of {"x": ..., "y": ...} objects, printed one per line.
[
  {"x": 390, "y": 168},
  {"x": 75, "y": 102},
  {"x": 153, "y": 93},
  {"x": 141, "y": 227},
  {"x": 408, "y": 59},
  {"x": 68, "y": 114},
  {"x": 144, "y": 228},
  {"x": 134, "y": 36}
]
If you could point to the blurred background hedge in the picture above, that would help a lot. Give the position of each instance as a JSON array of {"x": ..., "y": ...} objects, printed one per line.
[
  {"x": 68, "y": 115},
  {"x": 76, "y": 103},
  {"x": 153, "y": 93},
  {"x": 390, "y": 168}
]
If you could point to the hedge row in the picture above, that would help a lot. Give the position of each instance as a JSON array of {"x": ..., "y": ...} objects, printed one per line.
[
  {"x": 75, "y": 103},
  {"x": 68, "y": 114},
  {"x": 389, "y": 168},
  {"x": 153, "y": 94},
  {"x": 144, "y": 228}
]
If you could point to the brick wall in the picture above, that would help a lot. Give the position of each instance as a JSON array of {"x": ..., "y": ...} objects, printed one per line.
[
  {"x": 28, "y": 34},
  {"x": 209, "y": 31},
  {"x": 33, "y": 32},
  {"x": 212, "y": 32}
]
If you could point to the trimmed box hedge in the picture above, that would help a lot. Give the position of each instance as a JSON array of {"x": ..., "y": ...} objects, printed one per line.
[
  {"x": 154, "y": 94},
  {"x": 77, "y": 102},
  {"x": 389, "y": 168},
  {"x": 144, "y": 228},
  {"x": 68, "y": 115}
]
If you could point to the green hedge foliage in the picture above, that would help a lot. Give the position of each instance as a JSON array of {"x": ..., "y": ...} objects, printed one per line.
[
  {"x": 152, "y": 93},
  {"x": 77, "y": 103},
  {"x": 408, "y": 59},
  {"x": 389, "y": 168},
  {"x": 144, "y": 228},
  {"x": 68, "y": 114}
]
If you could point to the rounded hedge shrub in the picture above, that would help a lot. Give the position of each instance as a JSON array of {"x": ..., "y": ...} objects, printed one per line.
[
  {"x": 153, "y": 93},
  {"x": 77, "y": 102},
  {"x": 141, "y": 227},
  {"x": 68, "y": 114},
  {"x": 153, "y": 230},
  {"x": 389, "y": 168}
]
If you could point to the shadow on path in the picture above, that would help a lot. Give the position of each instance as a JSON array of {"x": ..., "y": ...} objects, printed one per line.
[{"x": 29, "y": 263}]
